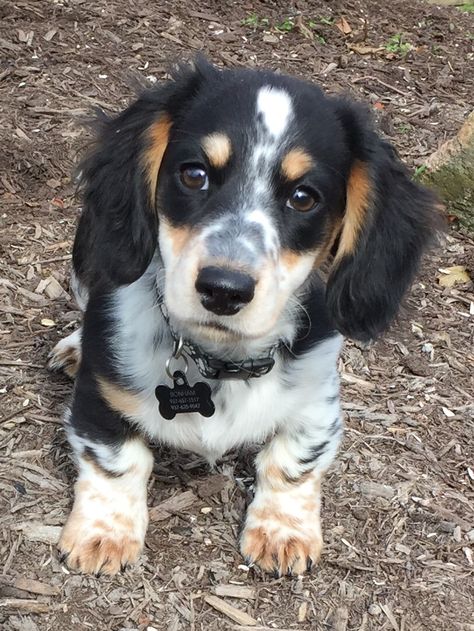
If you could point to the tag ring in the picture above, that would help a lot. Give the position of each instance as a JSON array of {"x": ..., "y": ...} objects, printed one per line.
[{"x": 176, "y": 354}]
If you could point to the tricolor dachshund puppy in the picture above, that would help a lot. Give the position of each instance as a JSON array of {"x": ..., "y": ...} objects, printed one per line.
[{"x": 209, "y": 206}]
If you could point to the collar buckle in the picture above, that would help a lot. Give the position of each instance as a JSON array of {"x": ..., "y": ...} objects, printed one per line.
[{"x": 243, "y": 370}]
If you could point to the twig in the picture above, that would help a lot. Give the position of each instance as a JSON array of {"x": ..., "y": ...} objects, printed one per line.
[
  {"x": 387, "y": 85},
  {"x": 66, "y": 257}
]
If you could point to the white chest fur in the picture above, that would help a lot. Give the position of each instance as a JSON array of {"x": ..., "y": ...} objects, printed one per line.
[{"x": 294, "y": 394}]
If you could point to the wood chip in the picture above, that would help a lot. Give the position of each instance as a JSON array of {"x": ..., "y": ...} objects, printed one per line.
[
  {"x": 303, "y": 611},
  {"x": 173, "y": 505},
  {"x": 36, "y": 531},
  {"x": 340, "y": 619},
  {"x": 350, "y": 378},
  {"x": 15, "y": 605},
  {"x": 35, "y": 587},
  {"x": 373, "y": 489},
  {"x": 231, "y": 612},
  {"x": 236, "y": 591},
  {"x": 391, "y": 618},
  {"x": 50, "y": 34}
]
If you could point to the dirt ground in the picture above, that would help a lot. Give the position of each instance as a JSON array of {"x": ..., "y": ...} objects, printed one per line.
[{"x": 398, "y": 504}]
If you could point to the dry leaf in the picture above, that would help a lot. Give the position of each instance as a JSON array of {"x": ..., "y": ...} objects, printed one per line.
[
  {"x": 451, "y": 276},
  {"x": 343, "y": 25}
]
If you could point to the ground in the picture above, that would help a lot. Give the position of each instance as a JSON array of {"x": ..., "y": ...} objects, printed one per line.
[{"x": 398, "y": 503}]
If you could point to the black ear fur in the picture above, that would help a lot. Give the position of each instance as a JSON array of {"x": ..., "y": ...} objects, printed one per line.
[
  {"x": 366, "y": 284},
  {"x": 117, "y": 231}
]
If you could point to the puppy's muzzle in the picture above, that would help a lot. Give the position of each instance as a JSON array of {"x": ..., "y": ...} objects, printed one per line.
[{"x": 224, "y": 291}]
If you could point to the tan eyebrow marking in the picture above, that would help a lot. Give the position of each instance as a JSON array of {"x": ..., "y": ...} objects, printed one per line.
[
  {"x": 218, "y": 149},
  {"x": 158, "y": 136},
  {"x": 296, "y": 163}
]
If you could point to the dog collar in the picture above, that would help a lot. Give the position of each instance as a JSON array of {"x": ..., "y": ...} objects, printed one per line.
[{"x": 212, "y": 367}]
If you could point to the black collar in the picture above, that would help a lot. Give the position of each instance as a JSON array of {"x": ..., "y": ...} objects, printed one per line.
[{"x": 212, "y": 367}]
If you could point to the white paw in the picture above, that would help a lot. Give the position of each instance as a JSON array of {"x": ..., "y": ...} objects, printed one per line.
[
  {"x": 104, "y": 533},
  {"x": 66, "y": 355},
  {"x": 282, "y": 532}
]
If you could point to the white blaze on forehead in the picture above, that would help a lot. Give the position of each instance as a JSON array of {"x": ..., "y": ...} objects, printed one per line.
[{"x": 274, "y": 105}]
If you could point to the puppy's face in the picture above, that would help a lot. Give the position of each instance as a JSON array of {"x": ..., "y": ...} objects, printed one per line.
[
  {"x": 250, "y": 191},
  {"x": 245, "y": 181}
]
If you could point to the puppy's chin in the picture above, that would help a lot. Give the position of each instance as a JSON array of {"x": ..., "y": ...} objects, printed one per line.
[{"x": 217, "y": 332}]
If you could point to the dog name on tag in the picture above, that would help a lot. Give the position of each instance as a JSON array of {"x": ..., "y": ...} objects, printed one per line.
[{"x": 183, "y": 398}]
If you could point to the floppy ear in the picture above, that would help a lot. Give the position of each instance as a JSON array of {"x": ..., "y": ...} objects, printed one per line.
[
  {"x": 117, "y": 232},
  {"x": 388, "y": 222}
]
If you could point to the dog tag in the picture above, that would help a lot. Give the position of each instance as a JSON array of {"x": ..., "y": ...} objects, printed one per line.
[{"x": 183, "y": 398}]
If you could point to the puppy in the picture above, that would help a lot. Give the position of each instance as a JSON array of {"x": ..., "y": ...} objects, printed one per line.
[{"x": 209, "y": 206}]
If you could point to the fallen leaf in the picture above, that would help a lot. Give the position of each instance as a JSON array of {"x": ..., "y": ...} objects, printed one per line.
[
  {"x": 451, "y": 276},
  {"x": 343, "y": 25},
  {"x": 58, "y": 202},
  {"x": 378, "y": 106}
]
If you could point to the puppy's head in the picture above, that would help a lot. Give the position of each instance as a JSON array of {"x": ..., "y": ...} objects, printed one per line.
[{"x": 245, "y": 181}]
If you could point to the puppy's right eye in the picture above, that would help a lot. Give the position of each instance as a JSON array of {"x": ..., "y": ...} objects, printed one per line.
[{"x": 194, "y": 177}]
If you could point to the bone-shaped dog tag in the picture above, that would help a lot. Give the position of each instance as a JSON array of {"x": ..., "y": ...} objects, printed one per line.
[{"x": 183, "y": 398}]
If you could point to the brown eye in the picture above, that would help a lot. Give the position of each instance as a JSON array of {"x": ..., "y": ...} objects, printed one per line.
[
  {"x": 194, "y": 176},
  {"x": 302, "y": 199}
]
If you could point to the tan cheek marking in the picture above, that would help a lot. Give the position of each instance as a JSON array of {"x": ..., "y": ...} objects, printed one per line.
[
  {"x": 296, "y": 163},
  {"x": 158, "y": 136},
  {"x": 119, "y": 399},
  {"x": 179, "y": 236},
  {"x": 359, "y": 190},
  {"x": 290, "y": 259},
  {"x": 218, "y": 149}
]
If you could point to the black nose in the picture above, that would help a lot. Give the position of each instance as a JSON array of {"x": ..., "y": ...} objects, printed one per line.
[{"x": 224, "y": 291}]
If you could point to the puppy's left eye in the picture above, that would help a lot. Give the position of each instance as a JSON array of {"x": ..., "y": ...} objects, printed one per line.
[
  {"x": 194, "y": 176},
  {"x": 302, "y": 199}
]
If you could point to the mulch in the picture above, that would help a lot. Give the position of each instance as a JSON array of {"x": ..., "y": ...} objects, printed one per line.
[{"x": 398, "y": 503}]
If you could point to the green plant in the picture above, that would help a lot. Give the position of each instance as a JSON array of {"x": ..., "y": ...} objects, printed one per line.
[
  {"x": 396, "y": 45},
  {"x": 419, "y": 171},
  {"x": 250, "y": 20},
  {"x": 468, "y": 7},
  {"x": 326, "y": 20},
  {"x": 253, "y": 21},
  {"x": 403, "y": 128},
  {"x": 286, "y": 26},
  {"x": 319, "y": 38}
]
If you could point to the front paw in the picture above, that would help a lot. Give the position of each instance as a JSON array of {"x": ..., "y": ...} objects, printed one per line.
[
  {"x": 97, "y": 546},
  {"x": 106, "y": 528},
  {"x": 280, "y": 542}
]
